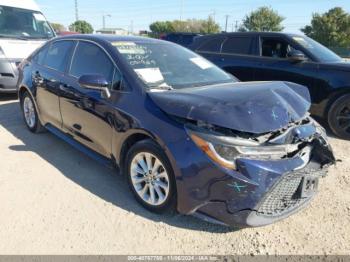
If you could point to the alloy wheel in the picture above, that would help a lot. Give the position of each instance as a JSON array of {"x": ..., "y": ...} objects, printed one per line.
[
  {"x": 29, "y": 112},
  {"x": 149, "y": 178}
]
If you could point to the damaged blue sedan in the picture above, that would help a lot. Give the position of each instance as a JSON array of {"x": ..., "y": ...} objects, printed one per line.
[{"x": 186, "y": 134}]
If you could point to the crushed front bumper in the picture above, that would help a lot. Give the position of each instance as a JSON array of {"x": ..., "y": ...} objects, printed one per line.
[{"x": 274, "y": 190}]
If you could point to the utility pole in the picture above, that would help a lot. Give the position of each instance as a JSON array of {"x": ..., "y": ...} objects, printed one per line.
[
  {"x": 76, "y": 11},
  {"x": 226, "y": 16},
  {"x": 214, "y": 14},
  {"x": 104, "y": 20},
  {"x": 181, "y": 9},
  {"x": 236, "y": 27},
  {"x": 131, "y": 27}
]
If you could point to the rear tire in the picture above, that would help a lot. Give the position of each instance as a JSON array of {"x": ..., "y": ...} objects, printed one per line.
[
  {"x": 339, "y": 117},
  {"x": 151, "y": 177},
  {"x": 30, "y": 114}
]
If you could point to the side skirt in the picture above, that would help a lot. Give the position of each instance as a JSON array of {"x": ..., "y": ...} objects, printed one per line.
[{"x": 70, "y": 140}]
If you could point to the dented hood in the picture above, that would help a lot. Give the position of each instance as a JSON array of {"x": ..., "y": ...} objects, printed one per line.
[{"x": 254, "y": 107}]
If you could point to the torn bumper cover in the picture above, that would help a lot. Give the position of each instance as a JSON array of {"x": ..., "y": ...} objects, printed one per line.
[{"x": 280, "y": 189}]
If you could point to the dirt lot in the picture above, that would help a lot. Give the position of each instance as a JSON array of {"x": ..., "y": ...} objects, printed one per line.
[{"x": 55, "y": 199}]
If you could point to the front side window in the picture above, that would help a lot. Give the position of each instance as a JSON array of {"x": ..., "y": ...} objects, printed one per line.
[
  {"x": 91, "y": 59},
  {"x": 168, "y": 66},
  {"x": 22, "y": 23},
  {"x": 275, "y": 47},
  {"x": 237, "y": 45},
  {"x": 58, "y": 54}
]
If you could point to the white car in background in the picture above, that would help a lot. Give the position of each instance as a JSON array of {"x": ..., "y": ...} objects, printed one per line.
[{"x": 23, "y": 28}]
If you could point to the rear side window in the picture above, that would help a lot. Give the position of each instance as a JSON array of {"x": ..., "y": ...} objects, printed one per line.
[
  {"x": 212, "y": 45},
  {"x": 58, "y": 55},
  {"x": 91, "y": 59},
  {"x": 238, "y": 45}
]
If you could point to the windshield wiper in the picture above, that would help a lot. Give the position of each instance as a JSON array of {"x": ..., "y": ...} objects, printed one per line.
[
  {"x": 160, "y": 85},
  {"x": 14, "y": 37}
]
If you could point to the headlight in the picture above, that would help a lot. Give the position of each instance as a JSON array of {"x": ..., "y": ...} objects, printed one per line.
[{"x": 225, "y": 150}]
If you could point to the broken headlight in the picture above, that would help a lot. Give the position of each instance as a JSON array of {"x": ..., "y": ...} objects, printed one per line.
[{"x": 225, "y": 150}]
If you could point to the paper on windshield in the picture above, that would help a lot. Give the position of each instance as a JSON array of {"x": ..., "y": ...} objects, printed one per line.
[
  {"x": 150, "y": 75},
  {"x": 39, "y": 17},
  {"x": 129, "y": 48},
  {"x": 202, "y": 63}
]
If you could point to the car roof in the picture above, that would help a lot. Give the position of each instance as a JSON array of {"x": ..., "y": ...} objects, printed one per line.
[
  {"x": 112, "y": 38},
  {"x": 248, "y": 34}
]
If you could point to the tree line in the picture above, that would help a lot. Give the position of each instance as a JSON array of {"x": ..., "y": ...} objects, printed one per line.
[{"x": 331, "y": 28}]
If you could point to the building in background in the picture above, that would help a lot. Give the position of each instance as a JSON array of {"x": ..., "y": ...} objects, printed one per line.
[{"x": 112, "y": 31}]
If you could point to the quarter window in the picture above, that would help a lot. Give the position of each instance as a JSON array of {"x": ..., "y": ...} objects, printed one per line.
[
  {"x": 91, "y": 59},
  {"x": 238, "y": 45},
  {"x": 58, "y": 55},
  {"x": 39, "y": 57}
]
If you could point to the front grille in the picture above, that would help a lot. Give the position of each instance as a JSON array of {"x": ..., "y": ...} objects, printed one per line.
[{"x": 285, "y": 195}]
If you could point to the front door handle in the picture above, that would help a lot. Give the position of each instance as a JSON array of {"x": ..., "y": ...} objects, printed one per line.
[
  {"x": 63, "y": 88},
  {"x": 38, "y": 79}
]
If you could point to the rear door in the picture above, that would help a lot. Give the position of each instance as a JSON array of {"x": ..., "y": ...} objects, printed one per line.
[
  {"x": 234, "y": 54},
  {"x": 237, "y": 55},
  {"x": 52, "y": 62}
]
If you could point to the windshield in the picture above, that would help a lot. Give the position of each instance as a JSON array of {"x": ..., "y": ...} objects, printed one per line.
[
  {"x": 23, "y": 24},
  {"x": 168, "y": 66},
  {"x": 322, "y": 53}
]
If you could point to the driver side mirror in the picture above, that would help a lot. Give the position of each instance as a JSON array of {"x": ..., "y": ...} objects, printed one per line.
[
  {"x": 296, "y": 56},
  {"x": 95, "y": 82}
]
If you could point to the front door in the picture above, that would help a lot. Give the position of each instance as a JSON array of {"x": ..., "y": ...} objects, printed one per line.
[
  {"x": 86, "y": 115},
  {"x": 274, "y": 65}
]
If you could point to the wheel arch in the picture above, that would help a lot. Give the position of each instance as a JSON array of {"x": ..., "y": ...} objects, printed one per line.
[
  {"x": 21, "y": 90},
  {"x": 334, "y": 97},
  {"x": 129, "y": 140},
  {"x": 135, "y": 136}
]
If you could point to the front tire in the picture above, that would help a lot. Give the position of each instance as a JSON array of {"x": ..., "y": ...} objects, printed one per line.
[
  {"x": 150, "y": 176},
  {"x": 30, "y": 114},
  {"x": 339, "y": 117}
]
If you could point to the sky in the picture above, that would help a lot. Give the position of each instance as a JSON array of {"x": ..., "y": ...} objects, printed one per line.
[{"x": 135, "y": 15}]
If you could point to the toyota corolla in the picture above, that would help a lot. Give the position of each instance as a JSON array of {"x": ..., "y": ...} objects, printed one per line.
[{"x": 186, "y": 134}]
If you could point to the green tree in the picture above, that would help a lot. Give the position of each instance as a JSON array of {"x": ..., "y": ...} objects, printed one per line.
[
  {"x": 263, "y": 19},
  {"x": 331, "y": 29},
  {"x": 58, "y": 27},
  {"x": 161, "y": 27},
  {"x": 209, "y": 26},
  {"x": 191, "y": 25},
  {"x": 82, "y": 27}
]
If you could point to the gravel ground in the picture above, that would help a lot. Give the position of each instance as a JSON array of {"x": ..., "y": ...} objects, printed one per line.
[{"x": 55, "y": 200}]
